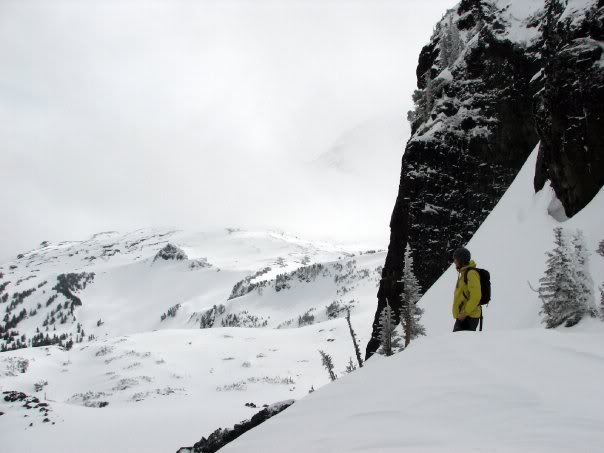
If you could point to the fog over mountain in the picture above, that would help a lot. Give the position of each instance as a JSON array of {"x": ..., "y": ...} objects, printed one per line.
[{"x": 120, "y": 115}]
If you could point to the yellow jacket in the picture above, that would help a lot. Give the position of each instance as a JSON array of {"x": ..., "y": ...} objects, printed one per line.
[{"x": 467, "y": 297}]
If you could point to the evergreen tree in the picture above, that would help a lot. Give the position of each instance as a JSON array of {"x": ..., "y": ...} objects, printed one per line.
[
  {"x": 351, "y": 366},
  {"x": 600, "y": 252},
  {"x": 390, "y": 338},
  {"x": 410, "y": 312},
  {"x": 327, "y": 362},
  {"x": 558, "y": 288},
  {"x": 451, "y": 43},
  {"x": 602, "y": 303},
  {"x": 355, "y": 343},
  {"x": 585, "y": 284}
]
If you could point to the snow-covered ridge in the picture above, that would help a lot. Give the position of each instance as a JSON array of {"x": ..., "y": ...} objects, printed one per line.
[{"x": 115, "y": 284}]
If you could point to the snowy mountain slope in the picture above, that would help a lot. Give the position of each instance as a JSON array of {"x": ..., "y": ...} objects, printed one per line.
[
  {"x": 511, "y": 243},
  {"x": 530, "y": 391},
  {"x": 159, "y": 367},
  {"x": 120, "y": 281},
  {"x": 514, "y": 387}
]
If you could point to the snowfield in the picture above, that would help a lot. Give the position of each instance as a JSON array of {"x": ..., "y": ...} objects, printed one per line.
[
  {"x": 165, "y": 389},
  {"x": 524, "y": 391}
]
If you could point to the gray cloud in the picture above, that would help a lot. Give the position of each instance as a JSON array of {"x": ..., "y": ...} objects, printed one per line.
[{"x": 125, "y": 114}]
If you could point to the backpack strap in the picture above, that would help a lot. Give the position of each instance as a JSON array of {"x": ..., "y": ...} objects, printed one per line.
[{"x": 465, "y": 274}]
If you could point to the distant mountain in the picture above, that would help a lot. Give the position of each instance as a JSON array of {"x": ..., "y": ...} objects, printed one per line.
[{"x": 119, "y": 284}]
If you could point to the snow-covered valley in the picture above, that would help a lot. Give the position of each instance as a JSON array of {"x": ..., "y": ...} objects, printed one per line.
[{"x": 251, "y": 314}]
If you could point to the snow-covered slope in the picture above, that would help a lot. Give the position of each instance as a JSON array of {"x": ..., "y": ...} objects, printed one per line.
[
  {"x": 158, "y": 377},
  {"x": 514, "y": 387},
  {"x": 116, "y": 284}
]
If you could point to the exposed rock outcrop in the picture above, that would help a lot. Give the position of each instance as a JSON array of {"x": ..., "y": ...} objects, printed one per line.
[
  {"x": 494, "y": 80},
  {"x": 221, "y": 437},
  {"x": 170, "y": 252},
  {"x": 570, "y": 117}
]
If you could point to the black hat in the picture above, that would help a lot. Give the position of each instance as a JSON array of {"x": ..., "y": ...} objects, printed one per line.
[{"x": 462, "y": 254}]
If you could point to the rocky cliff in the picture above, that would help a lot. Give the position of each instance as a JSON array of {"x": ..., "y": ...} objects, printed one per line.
[
  {"x": 497, "y": 78},
  {"x": 570, "y": 113}
]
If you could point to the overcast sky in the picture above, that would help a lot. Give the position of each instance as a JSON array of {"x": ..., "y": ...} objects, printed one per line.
[{"x": 197, "y": 114}]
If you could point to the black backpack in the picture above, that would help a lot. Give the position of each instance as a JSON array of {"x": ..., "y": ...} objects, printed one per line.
[{"x": 485, "y": 284}]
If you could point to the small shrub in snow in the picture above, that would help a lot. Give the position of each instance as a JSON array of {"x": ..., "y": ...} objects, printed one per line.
[
  {"x": 235, "y": 386},
  {"x": 124, "y": 384},
  {"x": 38, "y": 386},
  {"x": 15, "y": 366},
  {"x": 271, "y": 380},
  {"x": 103, "y": 351},
  {"x": 350, "y": 367},
  {"x": 246, "y": 364},
  {"x": 327, "y": 363},
  {"x": 88, "y": 399}
]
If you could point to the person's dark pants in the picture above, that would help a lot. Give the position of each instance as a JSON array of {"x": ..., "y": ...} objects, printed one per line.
[{"x": 467, "y": 324}]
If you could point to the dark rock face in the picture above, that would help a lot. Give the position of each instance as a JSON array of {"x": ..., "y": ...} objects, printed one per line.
[
  {"x": 171, "y": 252},
  {"x": 473, "y": 129},
  {"x": 570, "y": 118},
  {"x": 490, "y": 87},
  {"x": 221, "y": 437}
]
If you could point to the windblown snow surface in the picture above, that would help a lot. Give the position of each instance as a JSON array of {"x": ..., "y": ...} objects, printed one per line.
[{"x": 513, "y": 387}]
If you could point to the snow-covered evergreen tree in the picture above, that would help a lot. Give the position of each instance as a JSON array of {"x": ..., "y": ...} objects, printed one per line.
[
  {"x": 390, "y": 338},
  {"x": 600, "y": 252},
  {"x": 327, "y": 362},
  {"x": 558, "y": 290},
  {"x": 410, "y": 312},
  {"x": 451, "y": 43},
  {"x": 601, "y": 303},
  {"x": 585, "y": 284}
]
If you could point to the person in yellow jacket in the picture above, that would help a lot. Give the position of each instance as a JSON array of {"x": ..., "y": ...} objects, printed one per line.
[{"x": 466, "y": 300}]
